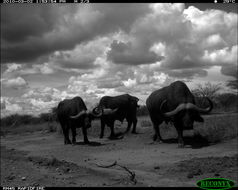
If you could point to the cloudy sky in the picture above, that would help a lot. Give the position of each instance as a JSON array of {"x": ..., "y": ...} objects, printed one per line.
[{"x": 52, "y": 52}]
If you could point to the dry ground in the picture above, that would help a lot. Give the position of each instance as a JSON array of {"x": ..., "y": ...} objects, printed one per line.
[{"x": 41, "y": 159}]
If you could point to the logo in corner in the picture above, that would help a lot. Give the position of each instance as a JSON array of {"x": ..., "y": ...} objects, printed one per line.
[{"x": 215, "y": 183}]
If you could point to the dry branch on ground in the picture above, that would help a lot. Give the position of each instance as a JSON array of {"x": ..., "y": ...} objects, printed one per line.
[{"x": 131, "y": 173}]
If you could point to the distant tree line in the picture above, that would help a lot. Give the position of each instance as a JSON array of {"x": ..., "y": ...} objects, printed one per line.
[
  {"x": 222, "y": 103},
  {"x": 16, "y": 119}
]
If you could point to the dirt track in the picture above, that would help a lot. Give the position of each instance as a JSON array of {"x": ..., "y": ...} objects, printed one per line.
[{"x": 42, "y": 159}]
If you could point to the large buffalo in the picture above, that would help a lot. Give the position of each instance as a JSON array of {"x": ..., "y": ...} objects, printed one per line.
[
  {"x": 73, "y": 113},
  {"x": 127, "y": 107},
  {"x": 174, "y": 103}
]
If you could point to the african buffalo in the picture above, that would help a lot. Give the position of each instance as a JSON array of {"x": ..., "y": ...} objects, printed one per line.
[
  {"x": 73, "y": 113},
  {"x": 174, "y": 103},
  {"x": 127, "y": 107}
]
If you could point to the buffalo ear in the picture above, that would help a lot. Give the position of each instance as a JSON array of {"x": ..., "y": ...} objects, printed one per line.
[{"x": 198, "y": 118}]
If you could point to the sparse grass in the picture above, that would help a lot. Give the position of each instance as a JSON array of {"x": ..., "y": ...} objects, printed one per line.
[
  {"x": 145, "y": 123},
  {"x": 216, "y": 128},
  {"x": 29, "y": 128}
]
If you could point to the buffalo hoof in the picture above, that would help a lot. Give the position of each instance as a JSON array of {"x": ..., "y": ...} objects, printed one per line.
[
  {"x": 86, "y": 142},
  {"x": 134, "y": 132},
  {"x": 115, "y": 137},
  {"x": 127, "y": 131},
  {"x": 180, "y": 145},
  {"x": 157, "y": 141},
  {"x": 154, "y": 137},
  {"x": 67, "y": 142}
]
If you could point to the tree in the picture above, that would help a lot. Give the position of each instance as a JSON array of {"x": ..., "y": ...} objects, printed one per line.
[
  {"x": 233, "y": 84},
  {"x": 207, "y": 90}
]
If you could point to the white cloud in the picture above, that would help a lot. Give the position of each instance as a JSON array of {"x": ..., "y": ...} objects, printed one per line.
[
  {"x": 18, "y": 82},
  {"x": 46, "y": 69},
  {"x": 8, "y": 107},
  {"x": 214, "y": 41},
  {"x": 129, "y": 83},
  {"x": 136, "y": 51},
  {"x": 13, "y": 108},
  {"x": 221, "y": 56},
  {"x": 3, "y": 104},
  {"x": 13, "y": 67}
]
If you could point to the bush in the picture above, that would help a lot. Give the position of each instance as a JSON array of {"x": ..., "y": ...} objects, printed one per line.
[
  {"x": 218, "y": 128},
  {"x": 142, "y": 110},
  {"x": 52, "y": 127},
  {"x": 227, "y": 101},
  {"x": 146, "y": 123},
  {"x": 16, "y": 120}
]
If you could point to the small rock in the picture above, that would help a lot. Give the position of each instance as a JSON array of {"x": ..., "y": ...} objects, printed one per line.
[
  {"x": 190, "y": 175},
  {"x": 66, "y": 170},
  {"x": 198, "y": 172},
  {"x": 23, "y": 178},
  {"x": 156, "y": 167},
  {"x": 57, "y": 169},
  {"x": 35, "y": 184},
  {"x": 11, "y": 177}
]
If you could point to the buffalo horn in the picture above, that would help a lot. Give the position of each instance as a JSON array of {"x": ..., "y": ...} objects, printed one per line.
[
  {"x": 201, "y": 110},
  {"x": 96, "y": 113},
  {"x": 78, "y": 115},
  {"x": 108, "y": 111},
  {"x": 180, "y": 107}
]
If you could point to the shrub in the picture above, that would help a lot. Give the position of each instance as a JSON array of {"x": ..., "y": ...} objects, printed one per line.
[
  {"x": 146, "y": 123},
  {"x": 142, "y": 110},
  {"x": 52, "y": 127},
  {"x": 218, "y": 128}
]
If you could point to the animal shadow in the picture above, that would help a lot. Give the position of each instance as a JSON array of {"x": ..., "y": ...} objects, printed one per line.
[
  {"x": 91, "y": 143},
  {"x": 137, "y": 133},
  {"x": 196, "y": 141},
  {"x": 117, "y": 136}
]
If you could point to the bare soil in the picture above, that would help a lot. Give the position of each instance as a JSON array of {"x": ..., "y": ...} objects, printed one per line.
[{"x": 41, "y": 159}]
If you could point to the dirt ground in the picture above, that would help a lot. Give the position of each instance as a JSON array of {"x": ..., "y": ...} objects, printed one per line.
[{"x": 41, "y": 159}]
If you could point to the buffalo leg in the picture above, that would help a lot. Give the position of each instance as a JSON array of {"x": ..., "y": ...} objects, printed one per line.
[
  {"x": 134, "y": 126},
  {"x": 128, "y": 126},
  {"x": 66, "y": 134},
  {"x": 180, "y": 136},
  {"x": 73, "y": 129},
  {"x": 112, "y": 135},
  {"x": 84, "y": 129},
  {"x": 102, "y": 129},
  {"x": 157, "y": 133}
]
